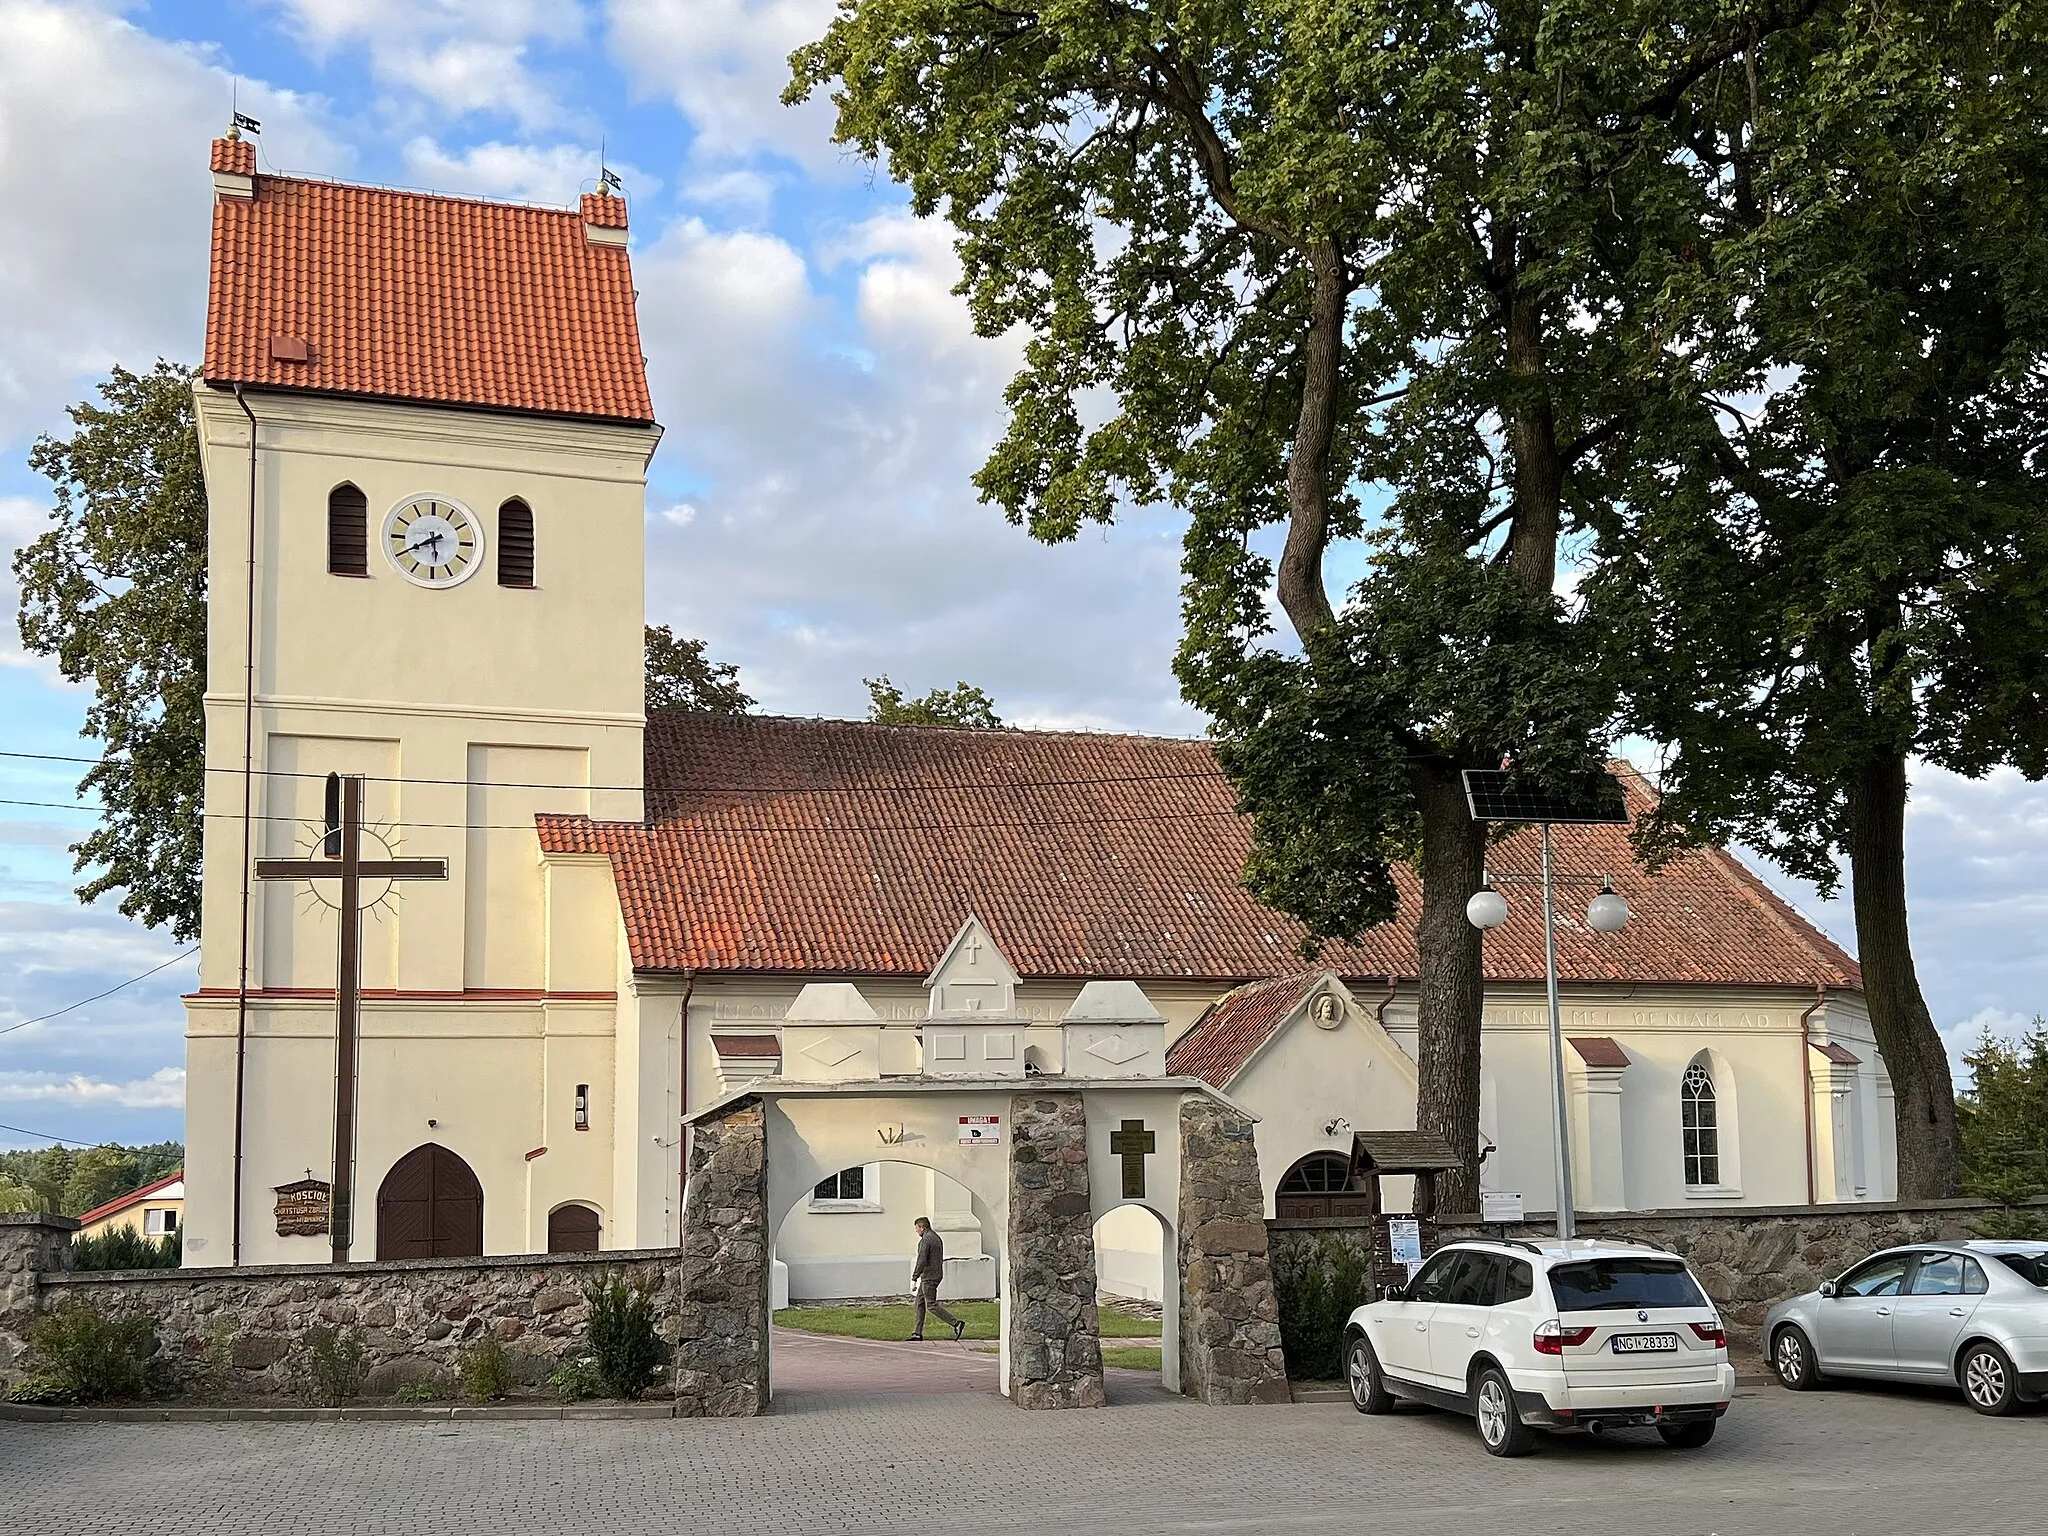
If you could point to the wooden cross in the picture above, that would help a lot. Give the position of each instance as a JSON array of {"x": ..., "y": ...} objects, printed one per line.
[
  {"x": 1131, "y": 1144},
  {"x": 347, "y": 864}
]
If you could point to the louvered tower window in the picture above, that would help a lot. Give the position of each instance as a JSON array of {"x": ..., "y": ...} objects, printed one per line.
[
  {"x": 515, "y": 544},
  {"x": 348, "y": 532}
]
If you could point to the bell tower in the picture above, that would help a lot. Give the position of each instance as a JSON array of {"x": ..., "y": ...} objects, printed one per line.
[{"x": 425, "y": 428}]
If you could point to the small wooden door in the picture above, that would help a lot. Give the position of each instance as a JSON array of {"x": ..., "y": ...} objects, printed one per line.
[
  {"x": 430, "y": 1206},
  {"x": 572, "y": 1229}
]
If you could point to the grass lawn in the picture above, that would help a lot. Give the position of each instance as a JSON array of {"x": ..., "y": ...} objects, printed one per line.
[
  {"x": 1132, "y": 1359},
  {"x": 885, "y": 1321}
]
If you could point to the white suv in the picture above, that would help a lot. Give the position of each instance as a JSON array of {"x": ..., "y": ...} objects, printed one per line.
[{"x": 1557, "y": 1335}]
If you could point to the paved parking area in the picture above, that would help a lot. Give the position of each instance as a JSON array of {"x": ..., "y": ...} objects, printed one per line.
[{"x": 1849, "y": 1460}]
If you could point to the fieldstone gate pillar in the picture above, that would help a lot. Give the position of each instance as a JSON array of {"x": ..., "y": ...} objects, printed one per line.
[
  {"x": 1229, "y": 1316},
  {"x": 31, "y": 1243},
  {"x": 721, "y": 1358},
  {"x": 1054, "y": 1342}
]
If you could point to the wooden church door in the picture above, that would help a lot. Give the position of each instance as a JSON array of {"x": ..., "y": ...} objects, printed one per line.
[
  {"x": 572, "y": 1229},
  {"x": 430, "y": 1206}
]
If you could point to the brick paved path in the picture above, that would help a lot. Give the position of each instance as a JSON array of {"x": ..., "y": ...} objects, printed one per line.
[{"x": 1851, "y": 1460}]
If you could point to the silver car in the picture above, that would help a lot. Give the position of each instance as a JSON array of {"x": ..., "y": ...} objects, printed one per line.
[{"x": 1972, "y": 1314}]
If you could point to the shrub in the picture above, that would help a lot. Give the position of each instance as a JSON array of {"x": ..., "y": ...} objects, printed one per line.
[
  {"x": 49, "y": 1391},
  {"x": 430, "y": 1388},
  {"x": 126, "y": 1248},
  {"x": 622, "y": 1339},
  {"x": 94, "y": 1356},
  {"x": 1318, "y": 1286},
  {"x": 485, "y": 1371},
  {"x": 216, "y": 1358},
  {"x": 331, "y": 1367},
  {"x": 575, "y": 1380}
]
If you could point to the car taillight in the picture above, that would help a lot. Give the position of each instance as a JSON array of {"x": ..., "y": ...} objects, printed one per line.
[
  {"x": 1552, "y": 1337},
  {"x": 1712, "y": 1333}
]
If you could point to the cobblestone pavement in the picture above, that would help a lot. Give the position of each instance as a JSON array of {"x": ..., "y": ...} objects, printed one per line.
[
  {"x": 809, "y": 1362},
  {"x": 1850, "y": 1460}
]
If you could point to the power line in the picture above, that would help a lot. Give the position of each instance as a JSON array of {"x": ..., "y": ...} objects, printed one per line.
[
  {"x": 710, "y": 818},
  {"x": 68, "y": 1007},
  {"x": 64, "y": 1141},
  {"x": 694, "y": 789}
]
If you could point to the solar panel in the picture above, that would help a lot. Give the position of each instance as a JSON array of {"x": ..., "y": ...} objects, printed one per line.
[{"x": 1499, "y": 794}]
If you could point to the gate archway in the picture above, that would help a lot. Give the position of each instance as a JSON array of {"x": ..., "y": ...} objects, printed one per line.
[{"x": 430, "y": 1206}]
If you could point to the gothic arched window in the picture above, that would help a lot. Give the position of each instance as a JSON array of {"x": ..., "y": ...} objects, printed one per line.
[
  {"x": 1699, "y": 1118},
  {"x": 348, "y": 531},
  {"x": 515, "y": 544}
]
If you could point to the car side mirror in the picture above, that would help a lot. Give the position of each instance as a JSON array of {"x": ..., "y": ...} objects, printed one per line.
[
  {"x": 1396, "y": 1293},
  {"x": 1827, "y": 1290}
]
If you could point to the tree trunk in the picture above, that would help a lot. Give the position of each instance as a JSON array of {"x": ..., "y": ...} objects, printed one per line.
[
  {"x": 1923, "y": 1094},
  {"x": 1453, "y": 983}
]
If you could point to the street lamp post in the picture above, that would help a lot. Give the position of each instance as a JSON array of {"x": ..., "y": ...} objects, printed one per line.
[{"x": 1493, "y": 797}]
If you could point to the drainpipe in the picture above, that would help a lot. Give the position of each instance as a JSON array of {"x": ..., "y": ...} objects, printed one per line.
[
  {"x": 1379, "y": 1012},
  {"x": 1820, "y": 997},
  {"x": 683, "y": 1100},
  {"x": 248, "y": 791}
]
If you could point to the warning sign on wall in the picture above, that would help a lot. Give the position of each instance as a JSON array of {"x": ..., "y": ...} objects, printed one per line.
[{"x": 981, "y": 1130}]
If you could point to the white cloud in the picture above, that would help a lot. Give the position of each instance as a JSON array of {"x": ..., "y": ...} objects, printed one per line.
[
  {"x": 103, "y": 134},
  {"x": 724, "y": 64},
  {"x": 162, "y": 1089},
  {"x": 835, "y": 532},
  {"x": 464, "y": 56},
  {"x": 556, "y": 174}
]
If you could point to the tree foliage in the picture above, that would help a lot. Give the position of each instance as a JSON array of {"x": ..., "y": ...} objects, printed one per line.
[
  {"x": 1270, "y": 255},
  {"x": 1836, "y": 562},
  {"x": 67, "y": 1181},
  {"x": 962, "y": 707},
  {"x": 115, "y": 591},
  {"x": 2004, "y": 1117},
  {"x": 681, "y": 676}
]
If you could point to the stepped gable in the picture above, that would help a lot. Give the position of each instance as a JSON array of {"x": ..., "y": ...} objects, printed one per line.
[
  {"x": 338, "y": 289},
  {"x": 835, "y": 847}
]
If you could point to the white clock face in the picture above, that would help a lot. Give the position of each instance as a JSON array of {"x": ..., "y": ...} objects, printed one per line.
[{"x": 433, "y": 541}]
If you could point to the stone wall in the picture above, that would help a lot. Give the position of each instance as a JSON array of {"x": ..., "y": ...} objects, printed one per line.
[
  {"x": 31, "y": 1246},
  {"x": 721, "y": 1360},
  {"x": 1750, "y": 1259},
  {"x": 1054, "y": 1341},
  {"x": 413, "y": 1315},
  {"x": 1229, "y": 1319}
]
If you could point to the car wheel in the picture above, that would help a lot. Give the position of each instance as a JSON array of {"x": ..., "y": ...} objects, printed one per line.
[
  {"x": 1369, "y": 1392},
  {"x": 1687, "y": 1437},
  {"x": 1792, "y": 1359},
  {"x": 1501, "y": 1429},
  {"x": 1987, "y": 1379}
]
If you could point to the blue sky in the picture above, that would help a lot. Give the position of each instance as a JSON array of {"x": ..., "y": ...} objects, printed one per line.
[{"x": 824, "y": 398}]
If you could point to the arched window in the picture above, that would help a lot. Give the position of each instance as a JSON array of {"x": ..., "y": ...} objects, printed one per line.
[
  {"x": 515, "y": 544},
  {"x": 1699, "y": 1118},
  {"x": 348, "y": 531},
  {"x": 1320, "y": 1185}
]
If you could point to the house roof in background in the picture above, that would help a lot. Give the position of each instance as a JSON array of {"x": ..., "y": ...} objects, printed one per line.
[
  {"x": 836, "y": 847},
  {"x": 135, "y": 1197},
  {"x": 416, "y": 296}
]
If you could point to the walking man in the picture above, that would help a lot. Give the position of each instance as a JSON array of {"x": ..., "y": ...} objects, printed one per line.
[{"x": 925, "y": 1276}]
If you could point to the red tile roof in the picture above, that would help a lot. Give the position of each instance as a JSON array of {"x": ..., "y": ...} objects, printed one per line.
[
  {"x": 1599, "y": 1050},
  {"x": 1840, "y": 1055},
  {"x": 834, "y": 847},
  {"x": 413, "y": 296},
  {"x": 1236, "y": 1026},
  {"x": 123, "y": 1202}
]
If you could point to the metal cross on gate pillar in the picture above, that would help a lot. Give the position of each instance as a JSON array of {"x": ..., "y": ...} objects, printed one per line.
[
  {"x": 1131, "y": 1144},
  {"x": 348, "y": 866}
]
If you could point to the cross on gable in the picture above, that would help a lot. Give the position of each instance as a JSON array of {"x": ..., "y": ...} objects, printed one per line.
[
  {"x": 1132, "y": 1144},
  {"x": 351, "y": 869}
]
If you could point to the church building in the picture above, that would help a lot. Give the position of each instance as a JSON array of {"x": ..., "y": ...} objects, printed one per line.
[{"x": 425, "y": 427}]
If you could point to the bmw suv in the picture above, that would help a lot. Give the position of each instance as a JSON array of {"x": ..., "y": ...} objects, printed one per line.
[{"x": 1523, "y": 1337}]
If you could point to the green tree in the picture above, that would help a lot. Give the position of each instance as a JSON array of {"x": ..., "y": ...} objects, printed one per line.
[
  {"x": 18, "y": 1197},
  {"x": 100, "y": 1174},
  {"x": 116, "y": 592},
  {"x": 963, "y": 707},
  {"x": 2003, "y": 1116},
  {"x": 43, "y": 1172},
  {"x": 1302, "y": 247},
  {"x": 681, "y": 676},
  {"x": 1814, "y": 592}
]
